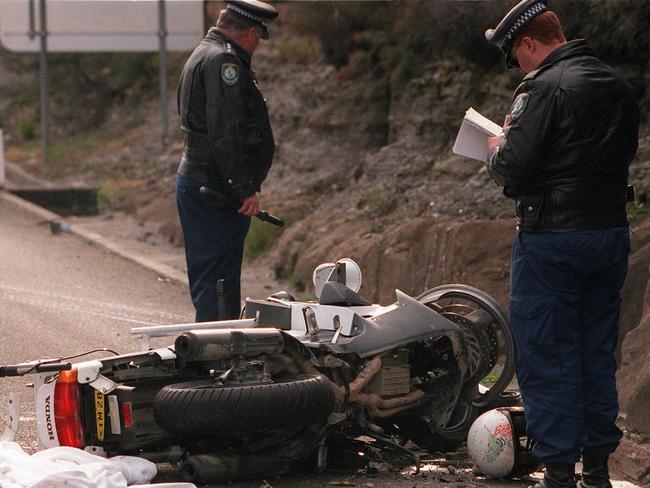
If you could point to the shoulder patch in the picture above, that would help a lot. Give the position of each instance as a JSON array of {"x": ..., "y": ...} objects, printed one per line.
[
  {"x": 519, "y": 106},
  {"x": 229, "y": 73}
]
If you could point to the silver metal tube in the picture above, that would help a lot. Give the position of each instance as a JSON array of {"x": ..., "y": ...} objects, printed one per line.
[
  {"x": 208, "y": 345},
  {"x": 162, "y": 35},
  {"x": 44, "y": 83},
  {"x": 170, "y": 330},
  {"x": 32, "y": 20}
]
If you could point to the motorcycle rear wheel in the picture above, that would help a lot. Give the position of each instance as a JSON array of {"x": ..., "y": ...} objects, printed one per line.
[
  {"x": 492, "y": 344},
  {"x": 203, "y": 408}
]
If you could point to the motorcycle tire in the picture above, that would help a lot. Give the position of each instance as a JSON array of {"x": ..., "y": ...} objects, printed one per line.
[
  {"x": 434, "y": 438},
  {"x": 506, "y": 347},
  {"x": 203, "y": 408}
]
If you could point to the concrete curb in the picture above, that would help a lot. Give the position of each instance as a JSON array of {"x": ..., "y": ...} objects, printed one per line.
[{"x": 160, "y": 269}]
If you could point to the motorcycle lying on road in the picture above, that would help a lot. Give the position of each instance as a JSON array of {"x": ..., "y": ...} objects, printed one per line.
[{"x": 252, "y": 397}]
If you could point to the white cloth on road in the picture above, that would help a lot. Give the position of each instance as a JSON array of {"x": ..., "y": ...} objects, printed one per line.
[
  {"x": 137, "y": 471},
  {"x": 68, "y": 467}
]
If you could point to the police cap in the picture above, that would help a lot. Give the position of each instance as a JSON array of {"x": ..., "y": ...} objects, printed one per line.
[
  {"x": 515, "y": 20},
  {"x": 258, "y": 12}
]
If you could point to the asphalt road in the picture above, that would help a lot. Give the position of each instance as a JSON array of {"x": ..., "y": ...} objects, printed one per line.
[{"x": 61, "y": 295}]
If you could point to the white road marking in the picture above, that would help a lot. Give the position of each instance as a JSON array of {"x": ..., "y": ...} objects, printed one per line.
[{"x": 113, "y": 311}]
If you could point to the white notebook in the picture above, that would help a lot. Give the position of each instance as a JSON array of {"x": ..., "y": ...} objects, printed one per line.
[{"x": 471, "y": 140}]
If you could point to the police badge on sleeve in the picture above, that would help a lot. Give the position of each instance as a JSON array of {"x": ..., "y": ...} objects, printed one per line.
[
  {"x": 519, "y": 106},
  {"x": 229, "y": 73}
]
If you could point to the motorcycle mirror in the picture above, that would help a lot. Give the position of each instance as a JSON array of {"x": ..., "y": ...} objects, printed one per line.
[
  {"x": 345, "y": 271},
  {"x": 352, "y": 277},
  {"x": 322, "y": 274}
]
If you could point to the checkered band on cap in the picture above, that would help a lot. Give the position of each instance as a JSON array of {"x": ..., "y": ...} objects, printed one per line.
[
  {"x": 246, "y": 13},
  {"x": 523, "y": 19}
]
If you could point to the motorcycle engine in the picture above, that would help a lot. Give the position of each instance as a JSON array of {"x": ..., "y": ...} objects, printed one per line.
[{"x": 394, "y": 377}]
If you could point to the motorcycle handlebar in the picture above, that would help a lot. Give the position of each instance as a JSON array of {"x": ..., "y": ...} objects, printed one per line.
[
  {"x": 33, "y": 367},
  {"x": 262, "y": 214}
]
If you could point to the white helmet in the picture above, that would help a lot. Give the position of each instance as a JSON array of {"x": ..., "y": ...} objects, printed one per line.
[{"x": 495, "y": 443}]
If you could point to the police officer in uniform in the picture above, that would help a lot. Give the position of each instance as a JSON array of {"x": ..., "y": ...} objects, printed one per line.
[
  {"x": 228, "y": 148},
  {"x": 569, "y": 139}
]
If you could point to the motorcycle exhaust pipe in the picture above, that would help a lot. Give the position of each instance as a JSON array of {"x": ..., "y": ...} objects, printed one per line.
[
  {"x": 210, "y": 468},
  {"x": 210, "y": 345}
]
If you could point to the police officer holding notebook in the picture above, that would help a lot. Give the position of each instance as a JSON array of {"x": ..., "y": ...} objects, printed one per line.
[
  {"x": 568, "y": 141},
  {"x": 228, "y": 148}
]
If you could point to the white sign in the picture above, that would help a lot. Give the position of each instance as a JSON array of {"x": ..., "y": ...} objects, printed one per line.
[{"x": 101, "y": 25}]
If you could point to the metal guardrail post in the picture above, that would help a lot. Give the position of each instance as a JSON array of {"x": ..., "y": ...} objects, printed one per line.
[
  {"x": 162, "y": 35},
  {"x": 44, "y": 82},
  {"x": 32, "y": 21}
]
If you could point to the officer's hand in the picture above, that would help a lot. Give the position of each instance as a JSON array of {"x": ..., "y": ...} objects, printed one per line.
[
  {"x": 251, "y": 206},
  {"x": 494, "y": 142}
]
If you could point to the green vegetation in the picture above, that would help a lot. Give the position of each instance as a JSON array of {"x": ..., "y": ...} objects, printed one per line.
[
  {"x": 261, "y": 237},
  {"x": 299, "y": 50},
  {"x": 636, "y": 209},
  {"x": 403, "y": 38},
  {"x": 400, "y": 37},
  {"x": 617, "y": 30},
  {"x": 106, "y": 193},
  {"x": 27, "y": 129},
  {"x": 63, "y": 150},
  {"x": 95, "y": 82},
  {"x": 377, "y": 202}
]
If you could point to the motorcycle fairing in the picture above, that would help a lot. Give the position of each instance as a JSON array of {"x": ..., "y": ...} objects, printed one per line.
[
  {"x": 289, "y": 315},
  {"x": 269, "y": 313},
  {"x": 409, "y": 321},
  {"x": 335, "y": 293},
  {"x": 45, "y": 421}
]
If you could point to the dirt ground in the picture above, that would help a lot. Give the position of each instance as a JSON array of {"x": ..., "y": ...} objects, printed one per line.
[{"x": 433, "y": 472}]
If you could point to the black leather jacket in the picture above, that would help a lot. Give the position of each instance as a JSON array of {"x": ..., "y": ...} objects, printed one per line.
[
  {"x": 228, "y": 142},
  {"x": 566, "y": 154}
]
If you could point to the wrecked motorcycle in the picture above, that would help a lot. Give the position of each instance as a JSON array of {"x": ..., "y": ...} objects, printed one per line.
[{"x": 288, "y": 381}]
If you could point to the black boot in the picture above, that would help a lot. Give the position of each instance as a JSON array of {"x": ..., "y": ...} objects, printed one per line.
[
  {"x": 558, "y": 476},
  {"x": 595, "y": 473}
]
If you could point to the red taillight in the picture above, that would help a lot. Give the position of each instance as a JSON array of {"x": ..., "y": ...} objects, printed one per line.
[
  {"x": 127, "y": 415},
  {"x": 67, "y": 410}
]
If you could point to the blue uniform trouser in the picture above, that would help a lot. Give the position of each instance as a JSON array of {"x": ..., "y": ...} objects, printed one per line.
[
  {"x": 214, "y": 248},
  {"x": 564, "y": 310}
]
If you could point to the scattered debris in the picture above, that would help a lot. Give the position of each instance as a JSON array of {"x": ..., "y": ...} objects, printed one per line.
[{"x": 57, "y": 227}]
